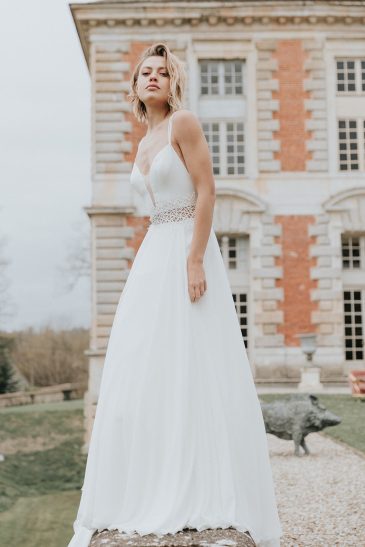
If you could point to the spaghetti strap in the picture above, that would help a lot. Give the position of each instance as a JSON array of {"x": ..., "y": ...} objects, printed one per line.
[{"x": 169, "y": 128}]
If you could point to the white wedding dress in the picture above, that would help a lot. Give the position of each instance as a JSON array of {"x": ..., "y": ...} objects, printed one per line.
[{"x": 178, "y": 439}]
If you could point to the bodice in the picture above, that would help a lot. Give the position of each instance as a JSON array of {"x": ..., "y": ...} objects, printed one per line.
[{"x": 169, "y": 184}]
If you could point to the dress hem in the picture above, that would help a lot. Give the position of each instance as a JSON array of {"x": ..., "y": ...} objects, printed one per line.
[{"x": 83, "y": 535}]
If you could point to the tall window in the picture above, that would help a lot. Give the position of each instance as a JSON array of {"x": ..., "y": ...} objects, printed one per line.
[
  {"x": 222, "y": 96},
  {"x": 354, "y": 306},
  {"x": 353, "y": 263},
  {"x": 350, "y": 89},
  {"x": 235, "y": 252},
  {"x": 351, "y": 143}
]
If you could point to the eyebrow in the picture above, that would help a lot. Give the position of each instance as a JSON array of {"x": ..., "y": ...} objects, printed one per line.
[{"x": 152, "y": 67}]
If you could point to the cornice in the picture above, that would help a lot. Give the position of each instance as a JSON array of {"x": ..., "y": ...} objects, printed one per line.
[{"x": 186, "y": 15}]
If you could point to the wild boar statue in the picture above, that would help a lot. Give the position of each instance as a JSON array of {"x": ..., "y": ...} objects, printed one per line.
[{"x": 294, "y": 418}]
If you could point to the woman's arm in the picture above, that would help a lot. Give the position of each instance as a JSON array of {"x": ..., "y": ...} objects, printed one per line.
[{"x": 191, "y": 140}]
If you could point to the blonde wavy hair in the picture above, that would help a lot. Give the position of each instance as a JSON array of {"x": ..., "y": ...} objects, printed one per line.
[{"x": 177, "y": 75}]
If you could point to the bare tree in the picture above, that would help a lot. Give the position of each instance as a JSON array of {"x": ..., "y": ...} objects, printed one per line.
[
  {"x": 77, "y": 264},
  {"x": 47, "y": 357},
  {"x": 7, "y": 306}
]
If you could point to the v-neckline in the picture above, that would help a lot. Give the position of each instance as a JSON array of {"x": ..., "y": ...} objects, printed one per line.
[{"x": 145, "y": 176}]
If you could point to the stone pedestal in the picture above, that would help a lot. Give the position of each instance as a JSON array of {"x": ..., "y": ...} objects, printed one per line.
[
  {"x": 310, "y": 379},
  {"x": 187, "y": 538}
]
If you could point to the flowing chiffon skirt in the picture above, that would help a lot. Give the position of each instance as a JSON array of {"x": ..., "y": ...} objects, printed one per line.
[{"x": 178, "y": 439}]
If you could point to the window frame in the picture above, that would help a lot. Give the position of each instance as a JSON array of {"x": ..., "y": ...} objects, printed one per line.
[
  {"x": 358, "y": 91},
  {"x": 353, "y": 337},
  {"x": 206, "y": 107},
  {"x": 221, "y": 78},
  {"x": 223, "y": 145},
  {"x": 353, "y": 281},
  {"x": 341, "y": 105},
  {"x": 360, "y": 142}
]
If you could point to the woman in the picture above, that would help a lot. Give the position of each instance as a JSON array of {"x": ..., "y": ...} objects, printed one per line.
[{"x": 178, "y": 439}]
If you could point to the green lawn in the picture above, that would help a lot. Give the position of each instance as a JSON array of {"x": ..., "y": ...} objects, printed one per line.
[
  {"x": 352, "y": 412},
  {"x": 41, "y": 477},
  {"x": 40, "y": 521}
]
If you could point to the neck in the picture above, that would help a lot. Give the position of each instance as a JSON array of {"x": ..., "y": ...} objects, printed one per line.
[{"x": 155, "y": 116}]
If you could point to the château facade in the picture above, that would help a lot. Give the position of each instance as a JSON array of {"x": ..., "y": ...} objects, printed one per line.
[{"x": 279, "y": 88}]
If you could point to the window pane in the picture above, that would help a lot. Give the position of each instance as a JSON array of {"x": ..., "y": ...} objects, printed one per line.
[
  {"x": 346, "y": 76},
  {"x": 224, "y": 77},
  {"x": 233, "y": 77},
  {"x": 235, "y": 155},
  {"x": 350, "y": 251},
  {"x": 348, "y": 145},
  {"x": 209, "y": 75}
]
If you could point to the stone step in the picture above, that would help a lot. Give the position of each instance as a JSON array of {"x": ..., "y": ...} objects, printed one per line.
[{"x": 189, "y": 538}]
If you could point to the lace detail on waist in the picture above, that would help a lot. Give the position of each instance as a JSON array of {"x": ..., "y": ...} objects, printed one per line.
[{"x": 174, "y": 210}]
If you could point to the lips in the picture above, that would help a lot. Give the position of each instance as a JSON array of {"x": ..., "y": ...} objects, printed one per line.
[{"x": 152, "y": 86}]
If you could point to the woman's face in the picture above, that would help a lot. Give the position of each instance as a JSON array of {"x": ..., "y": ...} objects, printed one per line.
[{"x": 153, "y": 83}]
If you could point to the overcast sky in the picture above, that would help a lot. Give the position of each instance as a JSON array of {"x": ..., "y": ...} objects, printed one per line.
[{"x": 44, "y": 160}]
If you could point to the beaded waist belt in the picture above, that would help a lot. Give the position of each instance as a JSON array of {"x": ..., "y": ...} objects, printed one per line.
[{"x": 174, "y": 210}]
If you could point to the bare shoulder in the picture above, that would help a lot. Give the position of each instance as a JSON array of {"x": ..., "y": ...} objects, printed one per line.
[
  {"x": 185, "y": 115},
  {"x": 186, "y": 123}
]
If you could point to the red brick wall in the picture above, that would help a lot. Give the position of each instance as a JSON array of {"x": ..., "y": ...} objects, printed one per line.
[
  {"x": 296, "y": 282},
  {"x": 292, "y": 113},
  {"x": 138, "y": 129},
  {"x": 139, "y": 224}
]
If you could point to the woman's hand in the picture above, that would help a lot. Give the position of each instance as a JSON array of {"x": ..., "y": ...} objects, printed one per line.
[{"x": 197, "y": 284}]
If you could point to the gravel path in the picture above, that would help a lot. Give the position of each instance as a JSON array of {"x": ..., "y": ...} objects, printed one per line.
[
  {"x": 321, "y": 501},
  {"x": 321, "y": 497}
]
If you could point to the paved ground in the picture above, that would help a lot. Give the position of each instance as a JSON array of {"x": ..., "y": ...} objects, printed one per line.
[
  {"x": 327, "y": 390},
  {"x": 321, "y": 497},
  {"x": 321, "y": 501}
]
